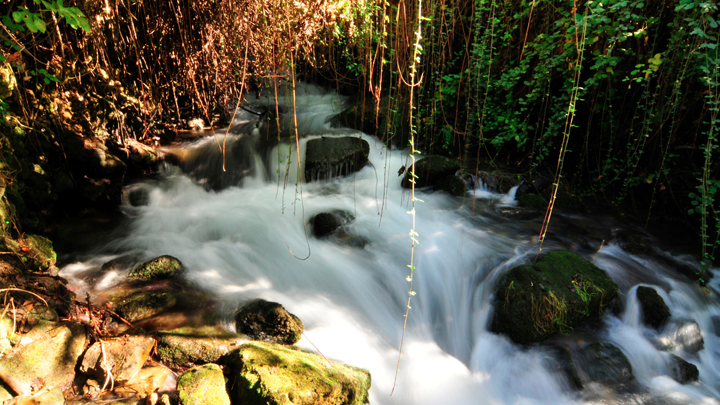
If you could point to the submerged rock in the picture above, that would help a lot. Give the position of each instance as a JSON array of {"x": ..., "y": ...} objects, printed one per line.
[
  {"x": 157, "y": 268},
  {"x": 330, "y": 157},
  {"x": 139, "y": 305},
  {"x": 560, "y": 290},
  {"x": 682, "y": 371},
  {"x": 203, "y": 385},
  {"x": 49, "y": 352},
  {"x": 633, "y": 242},
  {"x": 654, "y": 310},
  {"x": 430, "y": 170},
  {"x": 564, "y": 365},
  {"x": 268, "y": 321},
  {"x": 122, "y": 357},
  {"x": 185, "y": 347},
  {"x": 325, "y": 223},
  {"x": 605, "y": 363},
  {"x": 266, "y": 373}
]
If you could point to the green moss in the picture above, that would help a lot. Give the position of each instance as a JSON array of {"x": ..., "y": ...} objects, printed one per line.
[
  {"x": 194, "y": 345},
  {"x": 157, "y": 268},
  {"x": 560, "y": 290},
  {"x": 40, "y": 251},
  {"x": 138, "y": 305},
  {"x": 533, "y": 201},
  {"x": 203, "y": 385},
  {"x": 267, "y": 373}
]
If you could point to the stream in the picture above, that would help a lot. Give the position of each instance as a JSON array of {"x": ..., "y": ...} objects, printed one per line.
[{"x": 238, "y": 232}]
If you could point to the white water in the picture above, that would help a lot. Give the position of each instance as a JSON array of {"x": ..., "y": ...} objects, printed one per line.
[{"x": 235, "y": 243}]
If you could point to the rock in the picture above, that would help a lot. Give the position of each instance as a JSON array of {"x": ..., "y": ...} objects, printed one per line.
[
  {"x": 186, "y": 347},
  {"x": 605, "y": 363},
  {"x": 430, "y": 170},
  {"x": 681, "y": 334},
  {"x": 43, "y": 397},
  {"x": 715, "y": 320},
  {"x": 498, "y": 181},
  {"x": 49, "y": 352},
  {"x": 157, "y": 268},
  {"x": 139, "y": 305},
  {"x": 138, "y": 197},
  {"x": 268, "y": 321},
  {"x": 654, "y": 310},
  {"x": 119, "y": 263},
  {"x": 533, "y": 201},
  {"x": 203, "y": 385},
  {"x": 261, "y": 373},
  {"x": 39, "y": 250},
  {"x": 682, "y": 371},
  {"x": 330, "y": 157},
  {"x": 562, "y": 362},
  {"x": 141, "y": 154},
  {"x": 146, "y": 381},
  {"x": 634, "y": 243},
  {"x": 560, "y": 290},
  {"x": 325, "y": 223},
  {"x": 452, "y": 185},
  {"x": 123, "y": 357}
]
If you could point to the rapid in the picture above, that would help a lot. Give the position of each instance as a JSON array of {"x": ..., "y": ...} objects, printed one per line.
[{"x": 241, "y": 234}]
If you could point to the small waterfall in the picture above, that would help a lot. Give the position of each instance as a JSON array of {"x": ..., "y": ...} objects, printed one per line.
[{"x": 232, "y": 231}]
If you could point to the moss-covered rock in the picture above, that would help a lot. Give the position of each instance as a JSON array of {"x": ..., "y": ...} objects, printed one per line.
[
  {"x": 452, "y": 185},
  {"x": 534, "y": 302},
  {"x": 330, "y": 157},
  {"x": 51, "y": 355},
  {"x": 266, "y": 373},
  {"x": 203, "y": 385},
  {"x": 39, "y": 250},
  {"x": 186, "y": 347},
  {"x": 157, "y": 268},
  {"x": 430, "y": 170},
  {"x": 138, "y": 305},
  {"x": 268, "y": 321},
  {"x": 533, "y": 201},
  {"x": 654, "y": 310}
]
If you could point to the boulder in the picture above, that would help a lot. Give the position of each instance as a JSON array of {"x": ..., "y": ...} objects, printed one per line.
[
  {"x": 157, "y": 268},
  {"x": 268, "y": 321},
  {"x": 330, "y": 157},
  {"x": 452, "y": 185},
  {"x": 534, "y": 302},
  {"x": 654, "y": 310},
  {"x": 605, "y": 363},
  {"x": 563, "y": 363},
  {"x": 430, "y": 170},
  {"x": 136, "y": 306},
  {"x": 325, "y": 223},
  {"x": 682, "y": 371},
  {"x": 186, "y": 347},
  {"x": 266, "y": 373},
  {"x": 204, "y": 385},
  {"x": 48, "y": 352},
  {"x": 681, "y": 334},
  {"x": 123, "y": 357}
]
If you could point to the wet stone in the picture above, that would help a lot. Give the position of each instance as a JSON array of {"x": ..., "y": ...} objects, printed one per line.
[
  {"x": 683, "y": 371},
  {"x": 655, "y": 312},
  {"x": 605, "y": 363},
  {"x": 268, "y": 321}
]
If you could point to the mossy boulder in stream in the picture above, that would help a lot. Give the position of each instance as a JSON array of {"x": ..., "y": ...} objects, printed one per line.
[
  {"x": 534, "y": 302},
  {"x": 430, "y": 171},
  {"x": 452, "y": 185},
  {"x": 135, "y": 306},
  {"x": 184, "y": 347},
  {"x": 329, "y": 157},
  {"x": 266, "y": 373},
  {"x": 157, "y": 268},
  {"x": 37, "y": 251},
  {"x": 203, "y": 385},
  {"x": 268, "y": 321}
]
